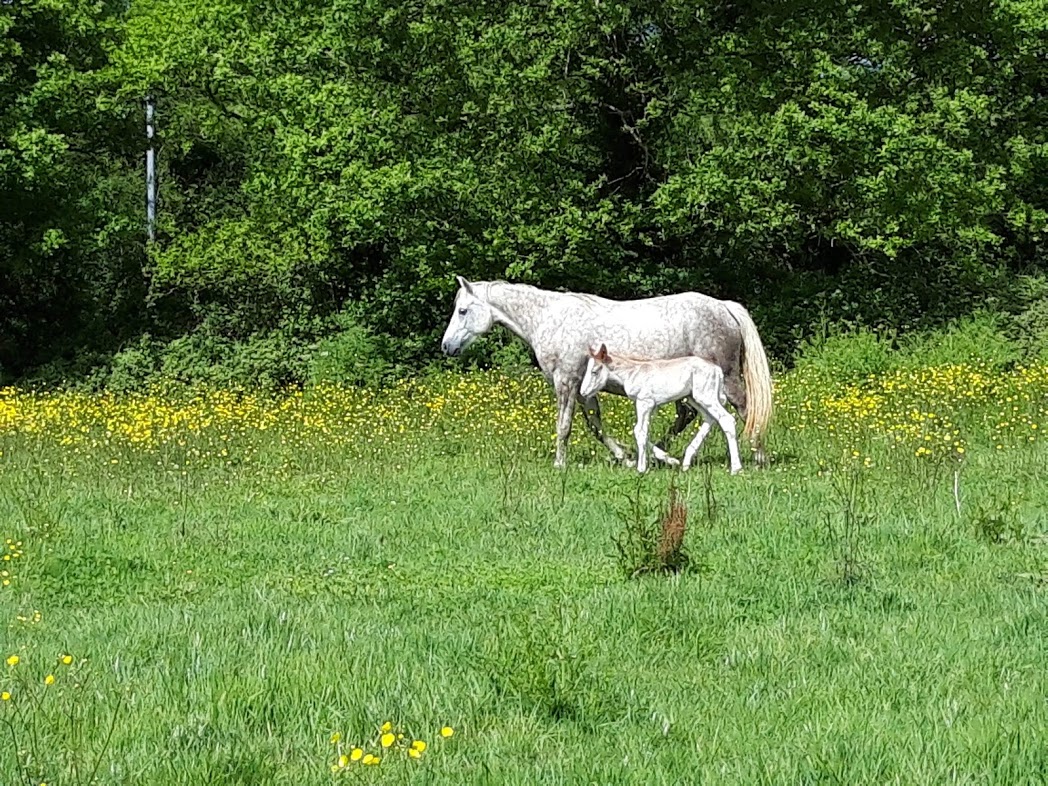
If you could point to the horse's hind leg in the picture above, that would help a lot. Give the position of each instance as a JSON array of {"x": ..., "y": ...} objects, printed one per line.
[
  {"x": 591, "y": 410},
  {"x": 686, "y": 413}
]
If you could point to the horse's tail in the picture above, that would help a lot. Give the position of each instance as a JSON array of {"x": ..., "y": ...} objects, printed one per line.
[{"x": 757, "y": 375}]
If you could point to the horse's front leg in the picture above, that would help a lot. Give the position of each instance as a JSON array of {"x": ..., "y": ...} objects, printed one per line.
[
  {"x": 591, "y": 410},
  {"x": 565, "y": 391}
]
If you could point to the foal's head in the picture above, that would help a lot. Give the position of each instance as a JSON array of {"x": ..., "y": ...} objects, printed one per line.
[{"x": 596, "y": 376}]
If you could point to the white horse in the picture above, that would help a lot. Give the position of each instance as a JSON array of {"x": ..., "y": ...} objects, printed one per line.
[
  {"x": 561, "y": 327},
  {"x": 651, "y": 383}
]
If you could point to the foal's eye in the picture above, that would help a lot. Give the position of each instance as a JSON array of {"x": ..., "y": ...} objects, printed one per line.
[{"x": 462, "y": 311}]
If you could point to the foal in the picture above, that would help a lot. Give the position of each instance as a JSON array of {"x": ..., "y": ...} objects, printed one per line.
[{"x": 650, "y": 383}]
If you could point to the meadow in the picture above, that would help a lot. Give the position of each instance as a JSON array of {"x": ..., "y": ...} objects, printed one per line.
[{"x": 343, "y": 584}]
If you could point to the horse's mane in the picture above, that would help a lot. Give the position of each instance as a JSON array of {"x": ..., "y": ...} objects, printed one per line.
[{"x": 586, "y": 298}]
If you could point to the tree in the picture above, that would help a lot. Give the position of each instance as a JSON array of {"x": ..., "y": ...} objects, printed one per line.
[{"x": 70, "y": 247}]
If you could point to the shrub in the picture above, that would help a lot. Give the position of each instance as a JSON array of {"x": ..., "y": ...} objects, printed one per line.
[
  {"x": 352, "y": 355},
  {"x": 835, "y": 353},
  {"x": 980, "y": 337}
]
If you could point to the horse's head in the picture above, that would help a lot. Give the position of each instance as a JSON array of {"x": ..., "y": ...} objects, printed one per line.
[
  {"x": 472, "y": 317},
  {"x": 596, "y": 376}
]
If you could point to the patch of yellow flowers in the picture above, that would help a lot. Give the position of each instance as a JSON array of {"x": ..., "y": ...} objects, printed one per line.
[
  {"x": 925, "y": 411},
  {"x": 387, "y": 741},
  {"x": 928, "y": 412}
]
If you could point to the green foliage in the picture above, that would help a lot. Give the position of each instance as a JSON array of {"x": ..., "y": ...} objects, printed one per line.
[
  {"x": 71, "y": 253},
  {"x": 842, "y": 354},
  {"x": 839, "y": 354},
  {"x": 1029, "y": 327},
  {"x": 352, "y": 356},
  {"x": 883, "y": 166},
  {"x": 980, "y": 337}
]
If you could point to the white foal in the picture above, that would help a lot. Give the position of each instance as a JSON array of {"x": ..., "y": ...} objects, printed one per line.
[{"x": 650, "y": 383}]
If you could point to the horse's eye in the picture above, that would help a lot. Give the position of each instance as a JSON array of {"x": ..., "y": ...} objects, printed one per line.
[{"x": 462, "y": 311}]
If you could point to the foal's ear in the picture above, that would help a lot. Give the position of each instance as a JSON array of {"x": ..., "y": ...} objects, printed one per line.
[
  {"x": 465, "y": 285},
  {"x": 602, "y": 353}
]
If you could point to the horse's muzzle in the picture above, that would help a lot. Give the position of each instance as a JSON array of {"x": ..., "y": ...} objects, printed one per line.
[{"x": 450, "y": 350}]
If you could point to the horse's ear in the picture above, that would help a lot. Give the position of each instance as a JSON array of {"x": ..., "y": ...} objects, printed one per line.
[
  {"x": 602, "y": 353},
  {"x": 465, "y": 285}
]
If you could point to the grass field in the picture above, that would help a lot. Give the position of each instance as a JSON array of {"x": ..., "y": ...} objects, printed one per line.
[{"x": 232, "y": 589}]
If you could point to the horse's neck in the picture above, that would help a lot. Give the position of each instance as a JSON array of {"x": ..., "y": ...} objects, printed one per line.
[{"x": 517, "y": 306}]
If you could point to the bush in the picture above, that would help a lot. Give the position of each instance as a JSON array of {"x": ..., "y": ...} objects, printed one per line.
[
  {"x": 353, "y": 355},
  {"x": 980, "y": 337},
  {"x": 1029, "y": 327},
  {"x": 836, "y": 353}
]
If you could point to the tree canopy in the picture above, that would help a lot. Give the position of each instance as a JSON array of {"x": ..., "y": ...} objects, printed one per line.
[{"x": 879, "y": 162}]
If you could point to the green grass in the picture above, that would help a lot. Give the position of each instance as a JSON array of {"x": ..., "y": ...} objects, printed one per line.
[{"x": 233, "y": 619}]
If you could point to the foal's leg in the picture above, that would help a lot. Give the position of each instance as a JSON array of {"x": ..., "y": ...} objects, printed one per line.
[
  {"x": 591, "y": 409},
  {"x": 727, "y": 423},
  {"x": 693, "y": 448},
  {"x": 640, "y": 431},
  {"x": 565, "y": 390}
]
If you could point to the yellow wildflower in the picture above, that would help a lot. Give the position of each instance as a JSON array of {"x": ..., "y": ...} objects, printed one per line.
[{"x": 387, "y": 740}]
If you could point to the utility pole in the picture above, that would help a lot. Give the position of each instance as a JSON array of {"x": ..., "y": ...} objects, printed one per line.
[{"x": 150, "y": 171}]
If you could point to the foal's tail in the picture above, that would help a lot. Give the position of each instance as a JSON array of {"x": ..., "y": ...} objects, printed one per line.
[{"x": 756, "y": 374}]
